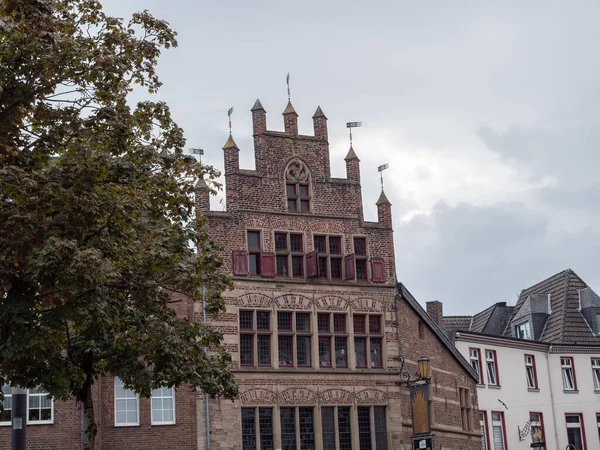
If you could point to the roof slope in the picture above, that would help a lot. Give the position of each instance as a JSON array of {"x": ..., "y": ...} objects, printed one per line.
[
  {"x": 481, "y": 319},
  {"x": 565, "y": 324},
  {"x": 453, "y": 324}
]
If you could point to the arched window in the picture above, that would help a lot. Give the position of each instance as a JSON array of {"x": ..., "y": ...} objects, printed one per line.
[{"x": 297, "y": 187}]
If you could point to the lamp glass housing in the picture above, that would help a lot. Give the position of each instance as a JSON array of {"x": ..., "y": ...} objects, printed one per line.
[{"x": 423, "y": 362}]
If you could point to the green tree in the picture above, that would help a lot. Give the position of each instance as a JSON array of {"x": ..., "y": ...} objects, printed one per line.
[{"x": 96, "y": 211}]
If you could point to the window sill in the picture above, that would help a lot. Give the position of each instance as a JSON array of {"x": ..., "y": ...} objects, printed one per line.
[
  {"x": 597, "y": 391},
  {"x": 570, "y": 391},
  {"x": 163, "y": 424},
  {"x": 494, "y": 386},
  {"x": 480, "y": 385},
  {"x": 35, "y": 424},
  {"x": 126, "y": 425},
  {"x": 533, "y": 390}
]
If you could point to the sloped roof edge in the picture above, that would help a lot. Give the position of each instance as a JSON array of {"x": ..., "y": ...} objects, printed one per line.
[{"x": 414, "y": 304}]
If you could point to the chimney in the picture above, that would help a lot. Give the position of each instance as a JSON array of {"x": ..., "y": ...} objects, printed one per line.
[
  {"x": 352, "y": 166},
  {"x": 435, "y": 310},
  {"x": 259, "y": 118},
  {"x": 290, "y": 120},
  {"x": 384, "y": 210},
  {"x": 231, "y": 155},
  {"x": 320, "y": 124},
  {"x": 202, "y": 196}
]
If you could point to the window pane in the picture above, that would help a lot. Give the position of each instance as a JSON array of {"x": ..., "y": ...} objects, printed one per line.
[
  {"x": 288, "y": 428},
  {"x": 34, "y": 414},
  {"x": 344, "y": 431},
  {"x": 303, "y": 353},
  {"x": 328, "y": 428},
  {"x": 291, "y": 190},
  {"x": 320, "y": 244},
  {"x": 253, "y": 264},
  {"x": 335, "y": 245},
  {"x": 325, "y": 352},
  {"x": 265, "y": 418},
  {"x": 302, "y": 322},
  {"x": 298, "y": 266},
  {"x": 282, "y": 266},
  {"x": 530, "y": 377},
  {"x": 341, "y": 353},
  {"x": 304, "y": 190},
  {"x": 263, "y": 320},
  {"x": 285, "y": 351},
  {"x": 573, "y": 419},
  {"x": 322, "y": 267},
  {"x": 304, "y": 206},
  {"x": 284, "y": 321},
  {"x": 376, "y": 354},
  {"x": 360, "y": 347},
  {"x": 380, "y": 428},
  {"x": 360, "y": 246},
  {"x": 264, "y": 350},
  {"x": 246, "y": 320},
  {"x": 296, "y": 243},
  {"x": 498, "y": 438},
  {"x": 375, "y": 324},
  {"x": 364, "y": 428},
  {"x": 254, "y": 241},
  {"x": 246, "y": 351},
  {"x": 280, "y": 242},
  {"x": 336, "y": 268},
  {"x": 307, "y": 433},
  {"x": 359, "y": 324},
  {"x": 339, "y": 323},
  {"x": 323, "y": 323},
  {"x": 248, "y": 429},
  {"x": 292, "y": 205},
  {"x": 361, "y": 269}
]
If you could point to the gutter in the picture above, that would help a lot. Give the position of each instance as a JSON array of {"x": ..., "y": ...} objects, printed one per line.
[
  {"x": 551, "y": 394},
  {"x": 205, "y": 394}
]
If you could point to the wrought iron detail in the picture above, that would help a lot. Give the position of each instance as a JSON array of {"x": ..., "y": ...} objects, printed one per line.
[
  {"x": 406, "y": 377},
  {"x": 523, "y": 433}
]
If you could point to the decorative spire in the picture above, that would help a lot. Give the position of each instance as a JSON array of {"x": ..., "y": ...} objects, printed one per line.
[
  {"x": 257, "y": 106},
  {"x": 289, "y": 109},
  {"x": 351, "y": 155},
  {"x": 230, "y": 144},
  {"x": 383, "y": 199},
  {"x": 319, "y": 113},
  {"x": 287, "y": 80},
  {"x": 229, "y": 113},
  {"x": 201, "y": 184}
]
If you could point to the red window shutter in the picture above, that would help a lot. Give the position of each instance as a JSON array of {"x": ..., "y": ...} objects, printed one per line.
[
  {"x": 311, "y": 264},
  {"x": 377, "y": 270},
  {"x": 240, "y": 262},
  {"x": 267, "y": 264},
  {"x": 349, "y": 267}
]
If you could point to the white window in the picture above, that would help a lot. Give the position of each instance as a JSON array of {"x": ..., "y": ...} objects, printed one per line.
[
  {"x": 498, "y": 430},
  {"x": 163, "y": 406},
  {"x": 523, "y": 331},
  {"x": 127, "y": 406},
  {"x": 492, "y": 367},
  {"x": 596, "y": 373},
  {"x": 530, "y": 371},
  {"x": 40, "y": 407},
  {"x": 574, "y": 435},
  {"x": 537, "y": 432},
  {"x": 474, "y": 358},
  {"x": 568, "y": 375},
  {"x": 483, "y": 428}
]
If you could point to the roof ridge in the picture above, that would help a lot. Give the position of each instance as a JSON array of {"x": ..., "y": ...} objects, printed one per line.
[
  {"x": 545, "y": 280},
  {"x": 564, "y": 308}
]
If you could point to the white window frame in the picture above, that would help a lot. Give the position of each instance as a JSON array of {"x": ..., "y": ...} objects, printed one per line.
[
  {"x": 565, "y": 368},
  {"x": 530, "y": 369},
  {"x": 158, "y": 394},
  {"x": 475, "y": 357},
  {"x": 596, "y": 373},
  {"x": 493, "y": 363},
  {"x": 523, "y": 331},
  {"x": 483, "y": 429},
  {"x": 498, "y": 424},
  {"x": 7, "y": 423},
  {"x": 29, "y": 396},
  {"x": 137, "y": 399},
  {"x": 576, "y": 425}
]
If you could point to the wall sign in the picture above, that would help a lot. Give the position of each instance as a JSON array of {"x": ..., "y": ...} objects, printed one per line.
[{"x": 419, "y": 401}]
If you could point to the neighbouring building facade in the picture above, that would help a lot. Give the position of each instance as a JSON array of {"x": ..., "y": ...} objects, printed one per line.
[
  {"x": 316, "y": 323},
  {"x": 538, "y": 364}
]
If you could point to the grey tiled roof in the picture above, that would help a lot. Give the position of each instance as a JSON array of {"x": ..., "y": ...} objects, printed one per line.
[
  {"x": 566, "y": 324},
  {"x": 481, "y": 319}
]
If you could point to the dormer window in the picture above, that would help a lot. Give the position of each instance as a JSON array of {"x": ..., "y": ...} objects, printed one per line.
[
  {"x": 297, "y": 187},
  {"x": 523, "y": 331}
]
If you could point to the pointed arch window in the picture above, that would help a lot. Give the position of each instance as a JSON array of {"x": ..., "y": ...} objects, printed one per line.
[{"x": 297, "y": 187}]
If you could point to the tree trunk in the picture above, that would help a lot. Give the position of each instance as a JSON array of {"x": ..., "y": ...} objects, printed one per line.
[{"x": 91, "y": 429}]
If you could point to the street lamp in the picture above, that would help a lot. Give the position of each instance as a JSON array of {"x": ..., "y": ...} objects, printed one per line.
[{"x": 422, "y": 374}]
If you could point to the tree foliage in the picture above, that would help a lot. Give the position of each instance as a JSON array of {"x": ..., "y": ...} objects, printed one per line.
[{"x": 96, "y": 211}]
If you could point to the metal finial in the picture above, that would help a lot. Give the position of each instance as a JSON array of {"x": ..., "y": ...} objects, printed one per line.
[
  {"x": 229, "y": 115},
  {"x": 352, "y": 125},
  {"x": 197, "y": 151},
  {"x": 380, "y": 169},
  {"x": 287, "y": 80}
]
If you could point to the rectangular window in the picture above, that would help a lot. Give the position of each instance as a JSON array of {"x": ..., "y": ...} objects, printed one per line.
[
  {"x": 298, "y": 197},
  {"x": 265, "y": 422},
  {"x": 329, "y": 261},
  {"x": 364, "y": 428},
  {"x": 360, "y": 350},
  {"x": 255, "y": 336},
  {"x": 306, "y": 435},
  {"x": 254, "y": 249},
  {"x": 596, "y": 373},
  {"x": 475, "y": 360},
  {"x": 336, "y": 268},
  {"x": 568, "y": 373},
  {"x": 465, "y": 408},
  {"x": 574, "y": 431},
  {"x": 248, "y": 429},
  {"x": 598, "y": 423},
  {"x": 335, "y": 245},
  {"x": 163, "y": 406},
  {"x": 40, "y": 406},
  {"x": 288, "y": 428},
  {"x": 289, "y": 255},
  {"x": 360, "y": 252},
  {"x": 320, "y": 244},
  {"x": 127, "y": 406},
  {"x": 5, "y": 416},
  {"x": 498, "y": 431},
  {"x": 328, "y": 427},
  {"x": 531, "y": 372},
  {"x": 536, "y": 421},
  {"x": 344, "y": 428},
  {"x": 265, "y": 428},
  {"x": 380, "y": 428},
  {"x": 523, "y": 331},
  {"x": 491, "y": 363},
  {"x": 368, "y": 349},
  {"x": 298, "y": 338},
  {"x": 485, "y": 439},
  {"x": 307, "y": 428}
]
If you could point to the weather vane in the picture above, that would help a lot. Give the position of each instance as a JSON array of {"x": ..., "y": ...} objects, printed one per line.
[
  {"x": 380, "y": 169},
  {"x": 287, "y": 80},
  {"x": 352, "y": 125},
  {"x": 197, "y": 151},
  {"x": 229, "y": 115}
]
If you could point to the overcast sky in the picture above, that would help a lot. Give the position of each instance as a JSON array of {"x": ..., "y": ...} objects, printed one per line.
[{"x": 488, "y": 114}]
